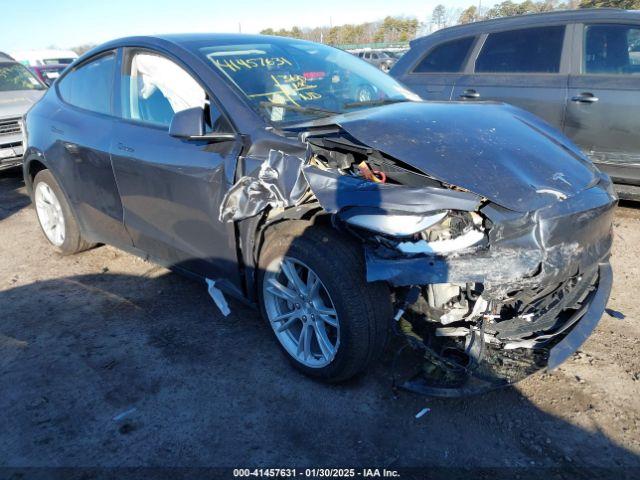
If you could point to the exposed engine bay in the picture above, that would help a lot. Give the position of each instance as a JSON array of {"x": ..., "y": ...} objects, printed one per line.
[{"x": 483, "y": 292}]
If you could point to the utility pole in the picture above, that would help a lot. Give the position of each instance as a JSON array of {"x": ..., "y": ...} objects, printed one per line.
[{"x": 239, "y": 27}]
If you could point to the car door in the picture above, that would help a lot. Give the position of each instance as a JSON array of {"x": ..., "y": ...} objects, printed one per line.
[
  {"x": 82, "y": 129},
  {"x": 526, "y": 67},
  {"x": 374, "y": 59},
  {"x": 603, "y": 112},
  {"x": 172, "y": 188},
  {"x": 433, "y": 70}
]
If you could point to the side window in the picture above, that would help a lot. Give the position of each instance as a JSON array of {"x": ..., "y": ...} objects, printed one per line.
[
  {"x": 531, "y": 50},
  {"x": 612, "y": 49},
  {"x": 447, "y": 57},
  {"x": 374, "y": 56},
  {"x": 155, "y": 88},
  {"x": 90, "y": 86}
]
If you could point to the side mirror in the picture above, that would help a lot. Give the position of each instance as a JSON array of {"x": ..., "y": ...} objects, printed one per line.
[{"x": 189, "y": 124}]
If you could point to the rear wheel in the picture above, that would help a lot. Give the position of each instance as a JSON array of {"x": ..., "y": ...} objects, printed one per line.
[
  {"x": 54, "y": 215},
  {"x": 327, "y": 319}
]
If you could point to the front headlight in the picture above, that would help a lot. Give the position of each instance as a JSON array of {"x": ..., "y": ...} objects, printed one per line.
[
  {"x": 436, "y": 233},
  {"x": 395, "y": 225}
]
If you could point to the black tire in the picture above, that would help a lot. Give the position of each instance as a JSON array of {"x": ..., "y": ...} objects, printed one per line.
[
  {"x": 73, "y": 241},
  {"x": 364, "y": 309}
]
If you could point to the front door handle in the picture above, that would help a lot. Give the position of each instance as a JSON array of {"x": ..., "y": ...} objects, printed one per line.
[
  {"x": 470, "y": 93},
  {"x": 585, "y": 97}
]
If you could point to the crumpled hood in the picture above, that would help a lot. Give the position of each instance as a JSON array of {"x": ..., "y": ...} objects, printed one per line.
[
  {"x": 495, "y": 150},
  {"x": 16, "y": 103}
]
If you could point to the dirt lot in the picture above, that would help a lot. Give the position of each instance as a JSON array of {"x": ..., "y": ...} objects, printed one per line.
[{"x": 107, "y": 360}]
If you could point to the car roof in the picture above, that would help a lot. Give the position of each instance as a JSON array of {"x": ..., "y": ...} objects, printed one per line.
[
  {"x": 560, "y": 16},
  {"x": 188, "y": 41},
  {"x": 209, "y": 39}
]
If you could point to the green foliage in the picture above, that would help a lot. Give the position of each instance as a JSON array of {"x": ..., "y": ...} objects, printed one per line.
[
  {"x": 509, "y": 8},
  {"x": 295, "y": 32},
  {"x": 469, "y": 15},
  {"x": 439, "y": 16},
  {"x": 626, "y": 4},
  {"x": 401, "y": 29},
  {"x": 396, "y": 29},
  {"x": 391, "y": 29}
]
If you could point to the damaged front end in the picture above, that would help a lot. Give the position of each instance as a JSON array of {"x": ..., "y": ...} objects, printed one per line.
[
  {"x": 487, "y": 291},
  {"x": 523, "y": 298}
]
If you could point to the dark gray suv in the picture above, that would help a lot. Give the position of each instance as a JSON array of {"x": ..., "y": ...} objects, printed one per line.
[{"x": 578, "y": 70}]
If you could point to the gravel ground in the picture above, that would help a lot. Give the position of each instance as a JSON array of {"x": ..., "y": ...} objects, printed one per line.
[{"x": 107, "y": 360}]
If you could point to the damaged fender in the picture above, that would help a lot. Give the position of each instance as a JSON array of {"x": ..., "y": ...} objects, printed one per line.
[{"x": 278, "y": 184}]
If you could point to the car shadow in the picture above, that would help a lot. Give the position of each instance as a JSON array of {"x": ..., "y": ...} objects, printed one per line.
[
  {"x": 12, "y": 196},
  {"x": 127, "y": 370}
]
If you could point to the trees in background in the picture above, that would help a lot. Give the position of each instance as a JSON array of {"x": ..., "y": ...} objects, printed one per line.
[
  {"x": 469, "y": 15},
  {"x": 626, "y": 4},
  {"x": 391, "y": 29},
  {"x": 80, "y": 49},
  {"x": 439, "y": 16},
  {"x": 403, "y": 29}
]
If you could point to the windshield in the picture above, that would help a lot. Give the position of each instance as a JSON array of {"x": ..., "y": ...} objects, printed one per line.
[
  {"x": 14, "y": 76},
  {"x": 289, "y": 81}
]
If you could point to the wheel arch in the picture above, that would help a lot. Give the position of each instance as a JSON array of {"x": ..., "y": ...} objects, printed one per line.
[
  {"x": 35, "y": 163},
  {"x": 32, "y": 165},
  {"x": 254, "y": 231}
]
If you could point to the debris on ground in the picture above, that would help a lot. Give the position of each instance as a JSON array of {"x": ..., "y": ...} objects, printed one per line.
[
  {"x": 615, "y": 314},
  {"x": 218, "y": 297},
  {"x": 423, "y": 412},
  {"x": 124, "y": 414}
]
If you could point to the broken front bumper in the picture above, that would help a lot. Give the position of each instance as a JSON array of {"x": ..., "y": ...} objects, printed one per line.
[
  {"x": 547, "y": 279},
  {"x": 585, "y": 326},
  {"x": 500, "y": 368}
]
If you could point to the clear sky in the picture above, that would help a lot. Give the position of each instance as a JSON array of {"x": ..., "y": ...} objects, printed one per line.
[{"x": 30, "y": 24}]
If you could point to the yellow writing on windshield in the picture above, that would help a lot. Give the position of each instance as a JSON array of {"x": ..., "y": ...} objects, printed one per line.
[{"x": 236, "y": 64}]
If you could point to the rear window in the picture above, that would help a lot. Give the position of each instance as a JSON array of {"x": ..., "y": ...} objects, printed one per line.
[
  {"x": 531, "y": 50},
  {"x": 448, "y": 57},
  {"x": 90, "y": 86},
  {"x": 612, "y": 49}
]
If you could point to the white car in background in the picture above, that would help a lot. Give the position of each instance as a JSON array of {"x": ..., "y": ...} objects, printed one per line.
[{"x": 38, "y": 58}]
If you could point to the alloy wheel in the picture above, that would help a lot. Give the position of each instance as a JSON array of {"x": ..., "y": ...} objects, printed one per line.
[
  {"x": 50, "y": 214},
  {"x": 301, "y": 312}
]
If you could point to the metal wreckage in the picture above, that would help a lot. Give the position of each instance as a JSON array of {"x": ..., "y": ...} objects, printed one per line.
[{"x": 493, "y": 231}]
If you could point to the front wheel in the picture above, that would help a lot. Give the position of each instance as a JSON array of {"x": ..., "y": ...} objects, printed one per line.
[{"x": 328, "y": 320}]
